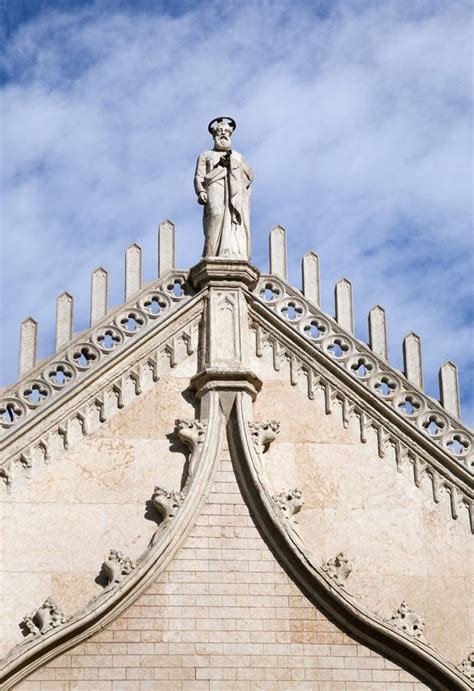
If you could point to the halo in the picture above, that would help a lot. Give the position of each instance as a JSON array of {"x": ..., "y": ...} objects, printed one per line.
[{"x": 220, "y": 119}]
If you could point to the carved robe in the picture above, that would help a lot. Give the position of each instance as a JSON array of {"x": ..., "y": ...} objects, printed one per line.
[{"x": 226, "y": 214}]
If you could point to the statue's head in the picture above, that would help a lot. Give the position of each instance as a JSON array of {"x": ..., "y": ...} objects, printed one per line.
[{"x": 222, "y": 129}]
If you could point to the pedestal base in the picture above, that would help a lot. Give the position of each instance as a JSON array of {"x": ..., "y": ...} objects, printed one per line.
[{"x": 231, "y": 272}]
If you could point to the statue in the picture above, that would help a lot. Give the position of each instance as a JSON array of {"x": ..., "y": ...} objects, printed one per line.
[{"x": 222, "y": 183}]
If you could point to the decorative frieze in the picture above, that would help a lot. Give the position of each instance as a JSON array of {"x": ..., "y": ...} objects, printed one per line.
[
  {"x": 167, "y": 503},
  {"x": 289, "y": 503},
  {"x": 264, "y": 434},
  {"x": 43, "y": 619},
  {"x": 338, "y": 569},
  {"x": 116, "y": 567},
  {"x": 408, "y": 621}
]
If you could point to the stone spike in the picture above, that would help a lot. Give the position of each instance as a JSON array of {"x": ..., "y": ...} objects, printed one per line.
[
  {"x": 166, "y": 247},
  {"x": 344, "y": 308},
  {"x": 133, "y": 270},
  {"x": 278, "y": 254},
  {"x": 99, "y": 291},
  {"x": 449, "y": 388},
  {"x": 378, "y": 331},
  {"x": 64, "y": 312},
  {"x": 311, "y": 278},
  {"x": 28, "y": 338},
  {"x": 412, "y": 358}
]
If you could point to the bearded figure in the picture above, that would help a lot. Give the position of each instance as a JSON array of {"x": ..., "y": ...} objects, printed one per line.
[{"x": 222, "y": 183}]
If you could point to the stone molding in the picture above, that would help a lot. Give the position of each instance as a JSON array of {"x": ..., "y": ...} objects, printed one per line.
[
  {"x": 37, "y": 650},
  {"x": 315, "y": 369},
  {"x": 339, "y": 606},
  {"x": 371, "y": 370},
  {"x": 94, "y": 399}
]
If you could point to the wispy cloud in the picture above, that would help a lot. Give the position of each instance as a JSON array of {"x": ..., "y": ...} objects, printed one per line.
[{"x": 356, "y": 121}]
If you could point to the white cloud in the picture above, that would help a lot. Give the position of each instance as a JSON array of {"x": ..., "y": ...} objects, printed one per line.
[{"x": 357, "y": 127}]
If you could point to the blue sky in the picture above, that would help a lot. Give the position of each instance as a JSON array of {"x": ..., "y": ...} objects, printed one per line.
[{"x": 355, "y": 116}]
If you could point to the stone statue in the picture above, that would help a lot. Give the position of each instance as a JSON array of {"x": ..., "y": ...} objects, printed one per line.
[{"x": 222, "y": 184}]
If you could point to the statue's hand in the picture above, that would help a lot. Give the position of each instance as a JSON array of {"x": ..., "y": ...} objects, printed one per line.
[{"x": 203, "y": 198}]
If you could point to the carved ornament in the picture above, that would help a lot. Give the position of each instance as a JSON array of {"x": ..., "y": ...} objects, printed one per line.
[
  {"x": 289, "y": 503},
  {"x": 264, "y": 434},
  {"x": 339, "y": 569},
  {"x": 408, "y": 621},
  {"x": 467, "y": 667},
  {"x": 167, "y": 503},
  {"x": 43, "y": 619},
  {"x": 116, "y": 567}
]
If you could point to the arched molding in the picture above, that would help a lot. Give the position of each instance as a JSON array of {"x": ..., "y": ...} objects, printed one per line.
[
  {"x": 38, "y": 650},
  {"x": 415, "y": 656}
]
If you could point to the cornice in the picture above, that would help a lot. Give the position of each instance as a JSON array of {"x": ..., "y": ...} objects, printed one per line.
[
  {"x": 278, "y": 530},
  {"x": 179, "y": 511},
  {"x": 367, "y": 367},
  {"x": 96, "y": 394},
  {"x": 309, "y": 361},
  {"x": 92, "y": 351}
]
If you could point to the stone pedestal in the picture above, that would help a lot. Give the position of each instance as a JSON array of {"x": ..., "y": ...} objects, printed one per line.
[{"x": 224, "y": 339}]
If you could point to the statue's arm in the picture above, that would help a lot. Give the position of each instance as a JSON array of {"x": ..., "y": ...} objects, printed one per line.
[
  {"x": 248, "y": 172},
  {"x": 199, "y": 175}
]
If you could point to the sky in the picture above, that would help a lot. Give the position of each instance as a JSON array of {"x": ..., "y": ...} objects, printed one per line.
[{"x": 355, "y": 117}]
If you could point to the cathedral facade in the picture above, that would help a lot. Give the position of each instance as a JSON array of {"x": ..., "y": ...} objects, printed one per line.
[{"x": 218, "y": 486}]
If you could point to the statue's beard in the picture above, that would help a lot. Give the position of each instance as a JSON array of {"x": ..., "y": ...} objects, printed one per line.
[{"x": 222, "y": 143}]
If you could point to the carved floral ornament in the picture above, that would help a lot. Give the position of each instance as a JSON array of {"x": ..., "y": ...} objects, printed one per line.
[
  {"x": 326, "y": 334},
  {"x": 289, "y": 503},
  {"x": 264, "y": 434},
  {"x": 101, "y": 343},
  {"x": 116, "y": 567},
  {"x": 467, "y": 667},
  {"x": 43, "y": 619},
  {"x": 408, "y": 621},
  {"x": 338, "y": 569},
  {"x": 167, "y": 503}
]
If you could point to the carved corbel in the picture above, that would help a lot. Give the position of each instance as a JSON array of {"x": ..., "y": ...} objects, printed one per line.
[
  {"x": 116, "y": 567},
  {"x": 43, "y": 619},
  {"x": 338, "y": 569},
  {"x": 467, "y": 667},
  {"x": 408, "y": 621},
  {"x": 264, "y": 434},
  {"x": 289, "y": 503}
]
